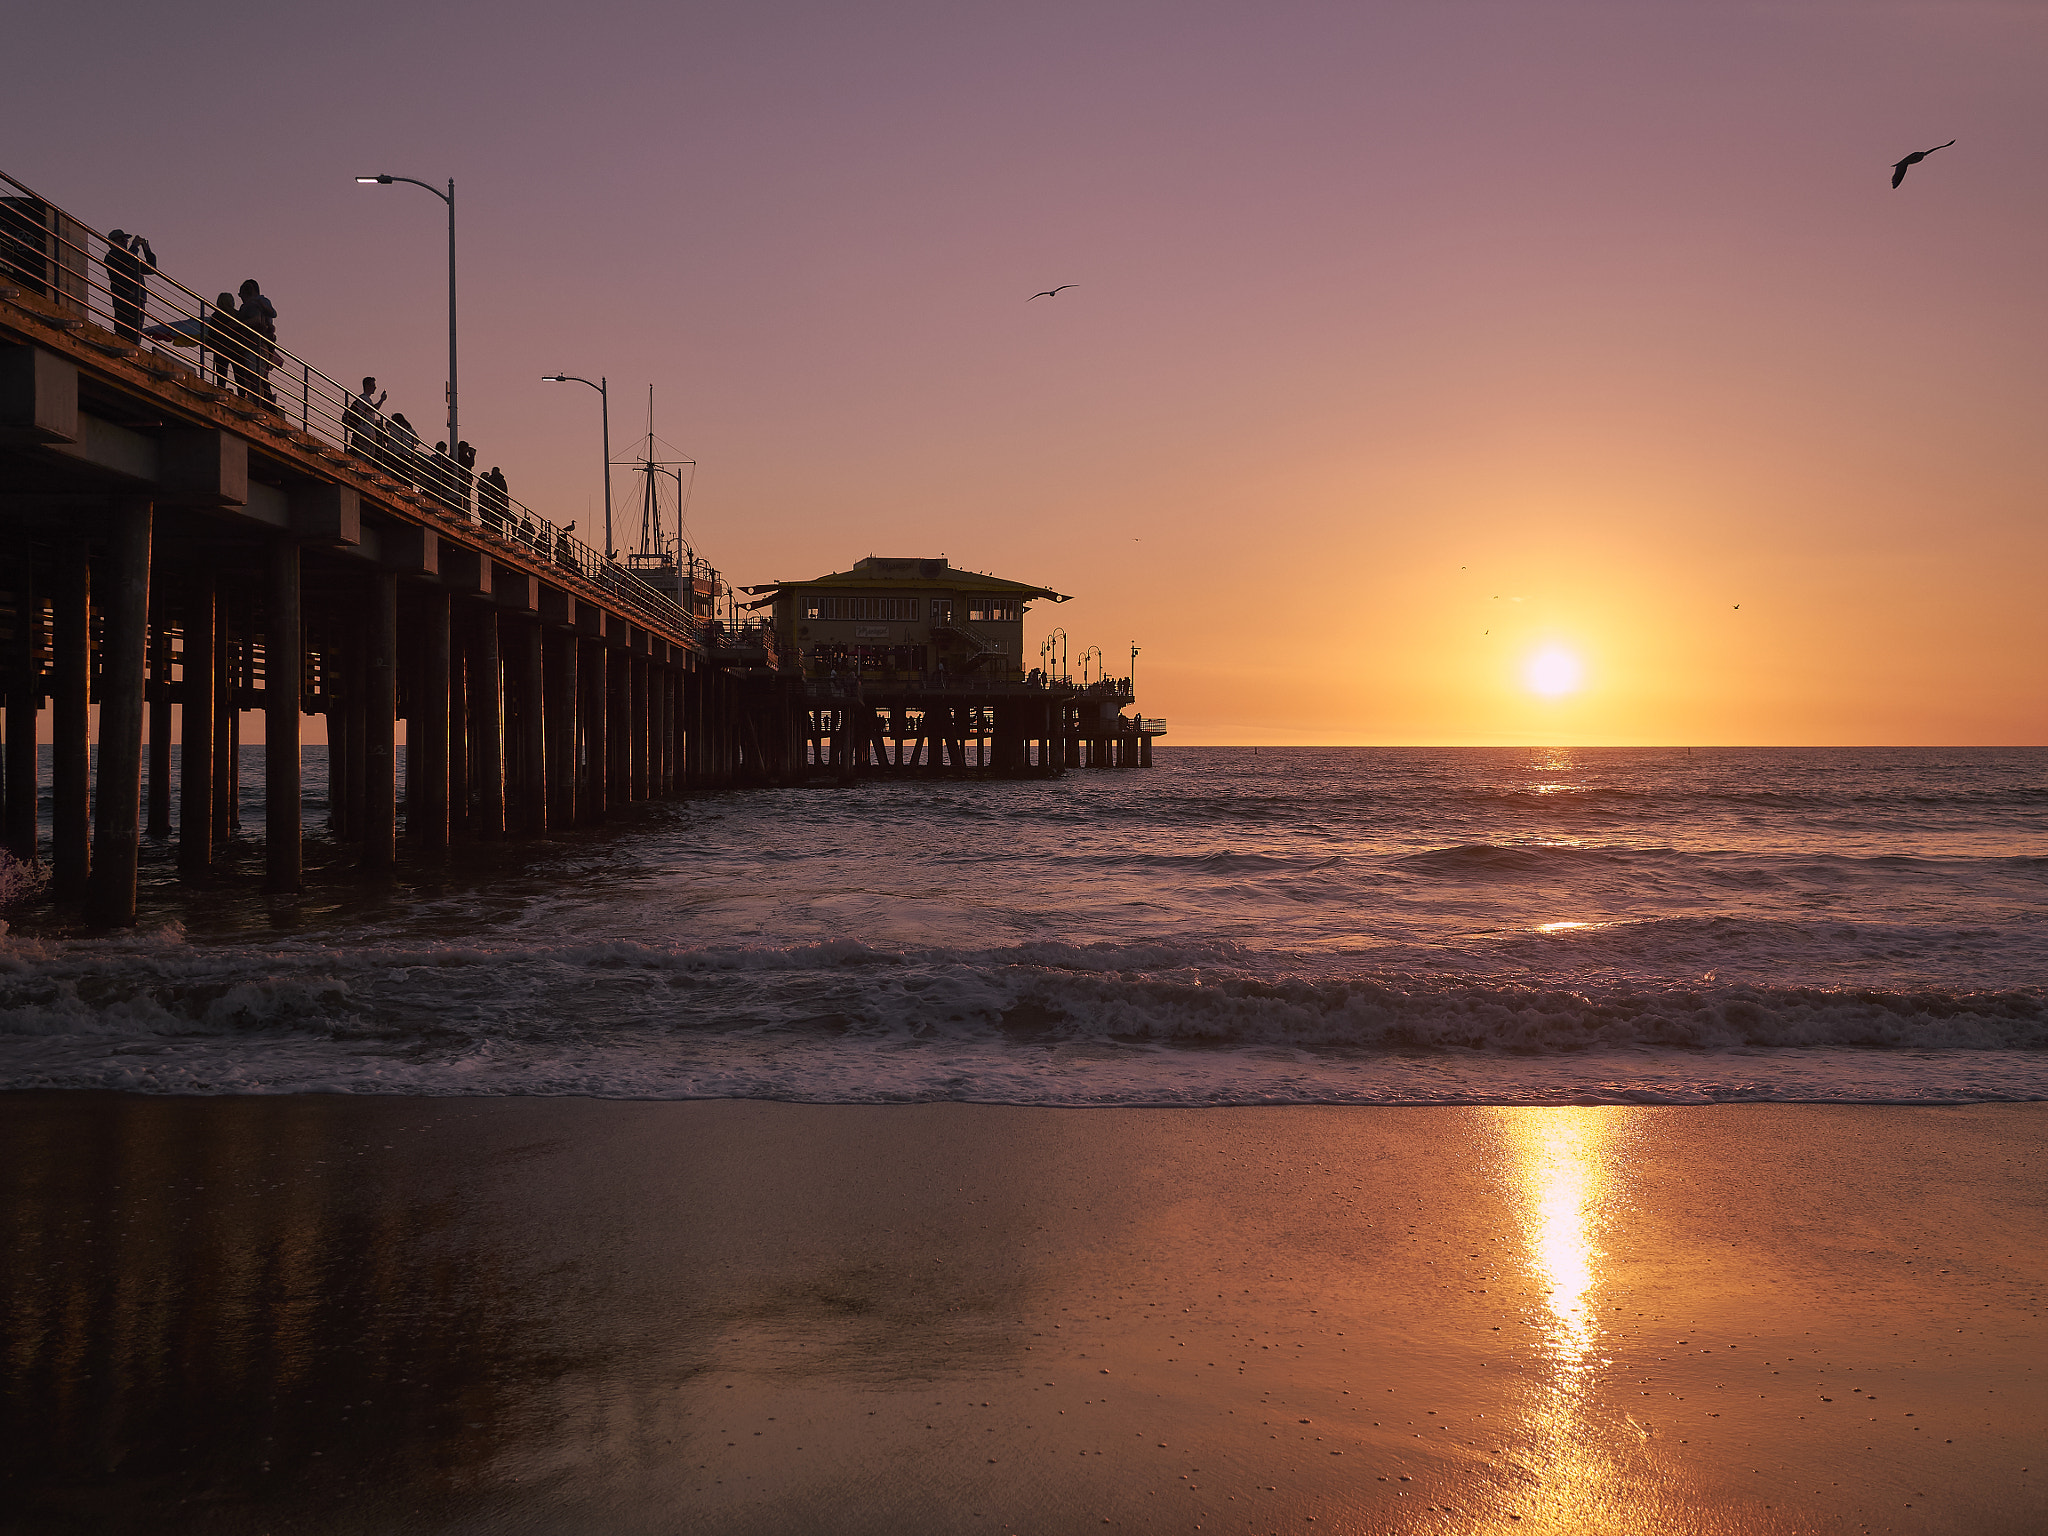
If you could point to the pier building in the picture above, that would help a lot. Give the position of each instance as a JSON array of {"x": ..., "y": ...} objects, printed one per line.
[
  {"x": 913, "y": 666},
  {"x": 903, "y": 619}
]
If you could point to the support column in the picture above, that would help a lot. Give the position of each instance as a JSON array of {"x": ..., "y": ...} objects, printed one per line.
[
  {"x": 24, "y": 701},
  {"x": 198, "y": 683},
  {"x": 487, "y": 726},
  {"x": 526, "y": 661},
  {"x": 426, "y": 728},
  {"x": 673, "y": 707},
  {"x": 71, "y": 671},
  {"x": 158, "y": 691},
  {"x": 380, "y": 723},
  {"x": 124, "y": 673},
  {"x": 558, "y": 660},
  {"x": 458, "y": 739},
  {"x": 358, "y": 715},
  {"x": 227, "y": 759},
  {"x": 284, "y": 677},
  {"x": 596, "y": 738},
  {"x": 619, "y": 726},
  {"x": 639, "y": 728},
  {"x": 657, "y": 744}
]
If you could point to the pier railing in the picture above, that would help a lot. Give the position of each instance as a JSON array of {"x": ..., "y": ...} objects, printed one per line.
[{"x": 118, "y": 302}]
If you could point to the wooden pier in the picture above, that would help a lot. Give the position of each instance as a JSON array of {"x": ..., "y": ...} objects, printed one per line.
[
  {"x": 168, "y": 541},
  {"x": 177, "y": 549}
]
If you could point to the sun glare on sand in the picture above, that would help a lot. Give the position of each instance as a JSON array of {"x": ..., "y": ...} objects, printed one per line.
[{"x": 1553, "y": 671}]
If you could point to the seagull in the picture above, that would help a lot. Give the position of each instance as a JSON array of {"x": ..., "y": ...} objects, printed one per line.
[
  {"x": 1899, "y": 170},
  {"x": 1052, "y": 293},
  {"x": 1738, "y": 607}
]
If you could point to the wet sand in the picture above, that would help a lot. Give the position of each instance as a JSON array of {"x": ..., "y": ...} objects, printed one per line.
[{"x": 562, "y": 1315}]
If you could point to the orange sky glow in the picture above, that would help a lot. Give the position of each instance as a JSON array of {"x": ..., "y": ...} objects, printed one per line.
[{"x": 1407, "y": 341}]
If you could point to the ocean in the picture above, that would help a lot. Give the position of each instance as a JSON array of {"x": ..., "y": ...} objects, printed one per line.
[{"x": 1236, "y": 926}]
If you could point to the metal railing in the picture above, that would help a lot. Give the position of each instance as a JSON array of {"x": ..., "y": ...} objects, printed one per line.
[{"x": 114, "y": 298}]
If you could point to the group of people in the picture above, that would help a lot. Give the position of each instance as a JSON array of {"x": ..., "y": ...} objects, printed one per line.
[
  {"x": 393, "y": 445},
  {"x": 240, "y": 333},
  {"x": 243, "y": 337}
]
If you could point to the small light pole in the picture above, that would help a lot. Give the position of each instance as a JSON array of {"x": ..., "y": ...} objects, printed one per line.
[
  {"x": 1134, "y": 672},
  {"x": 448, "y": 197},
  {"x": 604, "y": 400}
]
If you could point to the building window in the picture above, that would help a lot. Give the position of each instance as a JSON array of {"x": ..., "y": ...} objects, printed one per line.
[
  {"x": 994, "y": 610},
  {"x": 899, "y": 610}
]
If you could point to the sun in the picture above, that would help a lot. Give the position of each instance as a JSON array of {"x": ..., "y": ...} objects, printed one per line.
[{"x": 1553, "y": 672}]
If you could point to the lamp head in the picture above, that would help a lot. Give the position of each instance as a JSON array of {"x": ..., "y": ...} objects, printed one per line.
[
  {"x": 554, "y": 378},
  {"x": 374, "y": 181}
]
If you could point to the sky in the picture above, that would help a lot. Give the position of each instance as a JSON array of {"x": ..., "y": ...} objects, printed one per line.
[{"x": 1410, "y": 347}]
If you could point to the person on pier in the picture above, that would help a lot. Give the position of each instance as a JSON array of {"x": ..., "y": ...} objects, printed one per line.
[
  {"x": 229, "y": 340},
  {"x": 402, "y": 450},
  {"x": 441, "y": 476},
  {"x": 259, "y": 319},
  {"x": 494, "y": 501},
  {"x": 129, "y": 260},
  {"x": 465, "y": 476},
  {"x": 365, "y": 422}
]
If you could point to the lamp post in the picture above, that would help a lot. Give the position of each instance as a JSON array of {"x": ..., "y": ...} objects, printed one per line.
[
  {"x": 1134, "y": 672},
  {"x": 604, "y": 400},
  {"x": 448, "y": 197}
]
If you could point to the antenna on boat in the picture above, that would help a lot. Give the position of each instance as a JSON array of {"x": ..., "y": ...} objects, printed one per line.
[{"x": 658, "y": 545}]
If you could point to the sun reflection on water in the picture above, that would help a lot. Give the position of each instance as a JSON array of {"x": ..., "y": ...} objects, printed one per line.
[
  {"x": 1566, "y": 1171},
  {"x": 1560, "y": 1178}
]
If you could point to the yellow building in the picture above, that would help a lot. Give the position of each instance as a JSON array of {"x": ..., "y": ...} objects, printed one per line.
[{"x": 907, "y": 620}]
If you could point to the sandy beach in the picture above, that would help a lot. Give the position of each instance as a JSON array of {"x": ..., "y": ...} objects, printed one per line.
[{"x": 331, "y": 1314}]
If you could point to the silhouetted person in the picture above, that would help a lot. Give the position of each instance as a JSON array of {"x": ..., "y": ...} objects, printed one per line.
[
  {"x": 441, "y": 476},
  {"x": 1899, "y": 170},
  {"x": 527, "y": 536},
  {"x": 127, "y": 281},
  {"x": 402, "y": 449},
  {"x": 494, "y": 501},
  {"x": 259, "y": 323},
  {"x": 565, "y": 552},
  {"x": 223, "y": 331},
  {"x": 465, "y": 475},
  {"x": 364, "y": 419}
]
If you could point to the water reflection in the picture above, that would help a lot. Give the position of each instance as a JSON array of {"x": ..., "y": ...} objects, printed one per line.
[
  {"x": 1562, "y": 1178},
  {"x": 1567, "y": 1174}
]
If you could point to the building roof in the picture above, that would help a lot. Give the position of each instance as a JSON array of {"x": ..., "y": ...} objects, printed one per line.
[{"x": 877, "y": 572}]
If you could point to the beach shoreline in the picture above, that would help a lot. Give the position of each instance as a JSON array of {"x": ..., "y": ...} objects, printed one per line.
[{"x": 337, "y": 1313}]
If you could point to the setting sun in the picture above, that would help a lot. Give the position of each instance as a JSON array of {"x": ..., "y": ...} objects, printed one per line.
[{"x": 1553, "y": 671}]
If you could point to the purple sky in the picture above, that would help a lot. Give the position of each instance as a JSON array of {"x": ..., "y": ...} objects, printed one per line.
[{"x": 1407, "y": 340}]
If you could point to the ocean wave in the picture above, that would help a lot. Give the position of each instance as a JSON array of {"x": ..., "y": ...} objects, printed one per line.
[{"x": 1183, "y": 995}]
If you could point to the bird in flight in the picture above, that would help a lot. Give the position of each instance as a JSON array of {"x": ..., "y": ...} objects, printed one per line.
[
  {"x": 1052, "y": 293},
  {"x": 1899, "y": 170},
  {"x": 1738, "y": 607}
]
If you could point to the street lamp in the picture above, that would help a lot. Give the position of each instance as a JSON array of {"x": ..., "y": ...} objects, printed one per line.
[
  {"x": 1058, "y": 635},
  {"x": 448, "y": 197},
  {"x": 605, "y": 409}
]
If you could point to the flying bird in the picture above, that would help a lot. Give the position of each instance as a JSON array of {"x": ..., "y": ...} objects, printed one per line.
[
  {"x": 1899, "y": 170},
  {"x": 1738, "y": 607},
  {"x": 1053, "y": 293}
]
